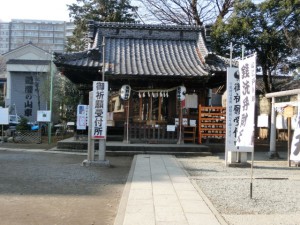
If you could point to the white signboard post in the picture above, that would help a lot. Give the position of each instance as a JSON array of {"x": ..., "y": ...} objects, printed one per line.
[
  {"x": 44, "y": 116},
  {"x": 98, "y": 120},
  {"x": 4, "y": 120},
  {"x": 99, "y": 110}
]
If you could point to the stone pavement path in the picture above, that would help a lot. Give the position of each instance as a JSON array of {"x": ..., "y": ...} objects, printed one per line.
[{"x": 158, "y": 192}]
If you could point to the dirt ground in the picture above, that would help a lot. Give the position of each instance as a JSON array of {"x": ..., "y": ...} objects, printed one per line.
[{"x": 48, "y": 188}]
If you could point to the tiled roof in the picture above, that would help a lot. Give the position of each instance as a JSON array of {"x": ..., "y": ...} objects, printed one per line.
[
  {"x": 89, "y": 59},
  {"x": 146, "y": 50},
  {"x": 152, "y": 57},
  {"x": 218, "y": 63}
]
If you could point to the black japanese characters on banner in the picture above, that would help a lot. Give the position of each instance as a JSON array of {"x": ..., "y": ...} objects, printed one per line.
[
  {"x": 28, "y": 96},
  {"x": 236, "y": 106},
  {"x": 100, "y": 95},
  {"x": 232, "y": 108},
  {"x": 247, "y": 70}
]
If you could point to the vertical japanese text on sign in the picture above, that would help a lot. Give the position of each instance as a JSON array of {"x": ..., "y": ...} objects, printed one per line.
[
  {"x": 99, "y": 109},
  {"x": 233, "y": 108},
  {"x": 247, "y": 70},
  {"x": 28, "y": 96}
]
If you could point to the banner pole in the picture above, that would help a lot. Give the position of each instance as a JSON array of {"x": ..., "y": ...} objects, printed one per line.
[
  {"x": 251, "y": 179},
  {"x": 231, "y": 50},
  {"x": 2, "y": 140},
  {"x": 127, "y": 125},
  {"x": 243, "y": 52},
  {"x": 102, "y": 142}
]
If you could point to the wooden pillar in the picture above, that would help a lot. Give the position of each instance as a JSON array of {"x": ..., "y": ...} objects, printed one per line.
[
  {"x": 150, "y": 108},
  {"x": 141, "y": 109},
  {"x": 159, "y": 108},
  {"x": 272, "y": 152},
  {"x": 180, "y": 139},
  {"x": 126, "y": 124}
]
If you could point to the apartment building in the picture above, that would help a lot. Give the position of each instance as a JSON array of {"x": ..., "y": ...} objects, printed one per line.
[{"x": 49, "y": 35}]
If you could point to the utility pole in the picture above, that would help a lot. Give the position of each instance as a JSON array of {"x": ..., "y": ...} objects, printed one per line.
[{"x": 51, "y": 98}]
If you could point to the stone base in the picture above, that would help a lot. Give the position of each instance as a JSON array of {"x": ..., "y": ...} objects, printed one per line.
[
  {"x": 273, "y": 155},
  {"x": 99, "y": 163},
  {"x": 239, "y": 164},
  {"x": 295, "y": 163}
]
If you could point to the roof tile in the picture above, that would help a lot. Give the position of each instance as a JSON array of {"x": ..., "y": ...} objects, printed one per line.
[{"x": 166, "y": 51}]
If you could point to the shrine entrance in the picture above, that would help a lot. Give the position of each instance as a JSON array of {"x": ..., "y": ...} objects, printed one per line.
[{"x": 153, "y": 115}]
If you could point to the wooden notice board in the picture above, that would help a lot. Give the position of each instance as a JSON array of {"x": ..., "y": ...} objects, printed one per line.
[{"x": 212, "y": 122}]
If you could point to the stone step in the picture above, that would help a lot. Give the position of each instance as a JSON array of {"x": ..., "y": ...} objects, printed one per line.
[{"x": 135, "y": 148}]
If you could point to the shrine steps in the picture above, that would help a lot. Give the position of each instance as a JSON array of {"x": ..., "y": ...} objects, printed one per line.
[{"x": 120, "y": 148}]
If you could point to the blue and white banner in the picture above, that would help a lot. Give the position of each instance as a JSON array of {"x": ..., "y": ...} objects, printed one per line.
[
  {"x": 82, "y": 117},
  {"x": 247, "y": 72}
]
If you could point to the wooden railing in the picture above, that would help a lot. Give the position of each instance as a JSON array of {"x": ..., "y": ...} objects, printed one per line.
[{"x": 154, "y": 134}]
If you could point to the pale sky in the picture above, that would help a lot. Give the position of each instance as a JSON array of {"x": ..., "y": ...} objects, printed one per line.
[
  {"x": 39, "y": 9},
  {"x": 34, "y": 9}
]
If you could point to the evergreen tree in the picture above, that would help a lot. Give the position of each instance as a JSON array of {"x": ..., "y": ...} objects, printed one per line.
[
  {"x": 97, "y": 10},
  {"x": 2, "y": 74},
  {"x": 264, "y": 28}
]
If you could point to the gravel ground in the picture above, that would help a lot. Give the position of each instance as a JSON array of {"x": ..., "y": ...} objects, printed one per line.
[
  {"x": 49, "y": 188},
  {"x": 275, "y": 197}
]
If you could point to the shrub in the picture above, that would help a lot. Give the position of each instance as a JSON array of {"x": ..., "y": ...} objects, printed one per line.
[{"x": 23, "y": 125}]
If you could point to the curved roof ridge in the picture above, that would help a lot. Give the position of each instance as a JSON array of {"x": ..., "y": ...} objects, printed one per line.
[{"x": 148, "y": 26}]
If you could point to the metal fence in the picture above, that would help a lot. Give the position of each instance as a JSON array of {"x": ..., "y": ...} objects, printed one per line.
[{"x": 27, "y": 137}]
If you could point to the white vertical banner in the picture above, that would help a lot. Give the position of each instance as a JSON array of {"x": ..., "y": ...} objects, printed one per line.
[
  {"x": 295, "y": 147},
  {"x": 82, "y": 117},
  {"x": 247, "y": 72},
  {"x": 99, "y": 109},
  {"x": 232, "y": 108}
]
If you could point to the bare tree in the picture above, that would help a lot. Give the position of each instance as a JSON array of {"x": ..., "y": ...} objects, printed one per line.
[
  {"x": 186, "y": 12},
  {"x": 2, "y": 75},
  {"x": 2, "y": 64}
]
